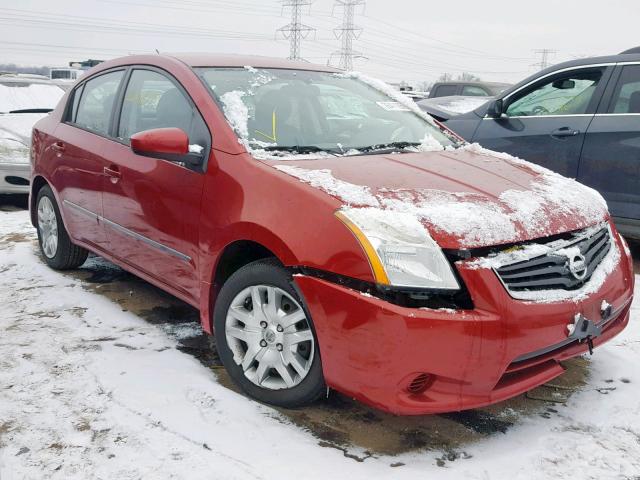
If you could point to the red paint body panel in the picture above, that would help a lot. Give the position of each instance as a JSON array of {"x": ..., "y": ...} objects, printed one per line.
[{"x": 370, "y": 349}]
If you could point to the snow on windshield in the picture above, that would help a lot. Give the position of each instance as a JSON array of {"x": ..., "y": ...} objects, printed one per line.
[
  {"x": 321, "y": 113},
  {"x": 24, "y": 95}
]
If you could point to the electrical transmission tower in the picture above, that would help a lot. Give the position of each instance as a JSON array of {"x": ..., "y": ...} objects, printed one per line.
[
  {"x": 347, "y": 32},
  {"x": 296, "y": 31},
  {"x": 544, "y": 57}
]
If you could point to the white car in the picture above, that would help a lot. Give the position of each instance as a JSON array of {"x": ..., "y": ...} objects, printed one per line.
[{"x": 24, "y": 100}]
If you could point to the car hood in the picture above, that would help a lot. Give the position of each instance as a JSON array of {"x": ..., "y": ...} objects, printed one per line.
[
  {"x": 15, "y": 136},
  {"x": 466, "y": 198},
  {"x": 448, "y": 107}
]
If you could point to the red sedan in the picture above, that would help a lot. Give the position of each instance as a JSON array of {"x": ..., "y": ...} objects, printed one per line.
[{"x": 330, "y": 233}]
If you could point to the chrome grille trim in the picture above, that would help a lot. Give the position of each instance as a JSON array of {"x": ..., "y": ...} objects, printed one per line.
[{"x": 551, "y": 270}]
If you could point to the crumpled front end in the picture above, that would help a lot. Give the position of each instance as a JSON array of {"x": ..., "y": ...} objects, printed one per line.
[{"x": 418, "y": 360}]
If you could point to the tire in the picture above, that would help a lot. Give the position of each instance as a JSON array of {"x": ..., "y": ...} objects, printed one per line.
[
  {"x": 64, "y": 255},
  {"x": 278, "y": 364}
]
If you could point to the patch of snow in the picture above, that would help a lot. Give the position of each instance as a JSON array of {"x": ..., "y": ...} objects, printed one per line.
[
  {"x": 528, "y": 251},
  {"x": 476, "y": 219},
  {"x": 608, "y": 264},
  {"x": 73, "y": 405},
  {"x": 462, "y": 105},
  {"x": 34, "y": 95},
  {"x": 473, "y": 218},
  {"x": 237, "y": 113},
  {"x": 399, "y": 226},
  {"x": 322, "y": 179}
]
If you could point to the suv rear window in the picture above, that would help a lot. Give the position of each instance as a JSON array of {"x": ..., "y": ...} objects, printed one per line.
[{"x": 97, "y": 101}]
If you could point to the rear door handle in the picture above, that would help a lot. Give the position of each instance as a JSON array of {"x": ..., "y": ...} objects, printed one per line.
[
  {"x": 564, "y": 132},
  {"x": 113, "y": 172}
]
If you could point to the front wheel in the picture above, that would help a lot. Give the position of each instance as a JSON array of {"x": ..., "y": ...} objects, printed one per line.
[
  {"x": 265, "y": 337},
  {"x": 55, "y": 244}
]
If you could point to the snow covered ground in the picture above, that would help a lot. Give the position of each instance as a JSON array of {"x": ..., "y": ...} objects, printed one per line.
[{"x": 88, "y": 390}]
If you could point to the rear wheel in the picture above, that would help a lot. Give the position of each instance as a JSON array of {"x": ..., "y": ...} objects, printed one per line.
[
  {"x": 265, "y": 336},
  {"x": 55, "y": 244}
]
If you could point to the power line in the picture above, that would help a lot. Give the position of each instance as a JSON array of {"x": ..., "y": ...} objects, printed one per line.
[
  {"x": 544, "y": 57},
  {"x": 347, "y": 33},
  {"x": 295, "y": 31}
]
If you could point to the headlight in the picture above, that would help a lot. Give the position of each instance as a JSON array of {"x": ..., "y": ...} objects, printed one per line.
[{"x": 401, "y": 252}]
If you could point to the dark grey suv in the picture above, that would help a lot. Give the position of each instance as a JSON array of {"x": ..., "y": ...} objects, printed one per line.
[{"x": 580, "y": 119}]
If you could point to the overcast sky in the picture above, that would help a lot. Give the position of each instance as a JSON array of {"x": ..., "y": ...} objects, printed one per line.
[{"x": 411, "y": 40}]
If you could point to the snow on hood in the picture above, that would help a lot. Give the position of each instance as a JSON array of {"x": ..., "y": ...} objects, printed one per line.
[
  {"x": 15, "y": 136},
  {"x": 466, "y": 197},
  {"x": 25, "y": 95},
  {"x": 456, "y": 104}
]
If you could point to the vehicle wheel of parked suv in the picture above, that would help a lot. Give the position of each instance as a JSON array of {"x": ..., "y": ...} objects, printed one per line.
[
  {"x": 55, "y": 244},
  {"x": 265, "y": 337}
]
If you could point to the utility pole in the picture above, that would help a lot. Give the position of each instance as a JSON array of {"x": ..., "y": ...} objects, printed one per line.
[
  {"x": 295, "y": 31},
  {"x": 544, "y": 57},
  {"x": 347, "y": 32}
]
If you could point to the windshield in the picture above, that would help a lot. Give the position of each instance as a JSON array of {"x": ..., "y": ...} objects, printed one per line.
[
  {"x": 28, "y": 97},
  {"x": 308, "y": 111}
]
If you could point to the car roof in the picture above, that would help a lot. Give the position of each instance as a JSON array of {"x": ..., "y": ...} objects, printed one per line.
[
  {"x": 474, "y": 82},
  {"x": 580, "y": 62},
  {"x": 232, "y": 60}
]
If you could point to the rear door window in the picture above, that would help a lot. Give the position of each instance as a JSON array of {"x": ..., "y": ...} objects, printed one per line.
[
  {"x": 97, "y": 101},
  {"x": 151, "y": 101},
  {"x": 626, "y": 97}
]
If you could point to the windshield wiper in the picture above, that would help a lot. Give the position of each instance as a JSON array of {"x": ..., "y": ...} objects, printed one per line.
[
  {"x": 32, "y": 110},
  {"x": 302, "y": 149},
  {"x": 387, "y": 147}
]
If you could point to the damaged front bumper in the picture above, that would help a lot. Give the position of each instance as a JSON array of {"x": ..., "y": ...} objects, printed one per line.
[{"x": 378, "y": 352}]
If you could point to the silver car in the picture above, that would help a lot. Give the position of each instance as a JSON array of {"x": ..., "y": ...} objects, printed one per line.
[{"x": 24, "y": 99}]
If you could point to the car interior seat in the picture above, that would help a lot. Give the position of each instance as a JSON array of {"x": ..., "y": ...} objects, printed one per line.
[{"x": 173, "y": 110}]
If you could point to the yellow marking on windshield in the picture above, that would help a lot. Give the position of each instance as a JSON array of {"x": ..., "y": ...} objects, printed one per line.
[{"x": 273, "y": 128}]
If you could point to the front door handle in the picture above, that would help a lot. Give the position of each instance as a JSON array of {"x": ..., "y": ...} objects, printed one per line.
[
  {"x": 564, "y": 132},
  {"x": 113, "y": 172}
]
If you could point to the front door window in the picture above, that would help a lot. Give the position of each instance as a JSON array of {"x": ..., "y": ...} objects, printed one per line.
[{"x": 569, "y": 94}]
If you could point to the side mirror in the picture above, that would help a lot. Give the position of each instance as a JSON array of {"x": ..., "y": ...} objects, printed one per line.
[
  {"x": 160, "y": 142},
  {"x": 496, "y": 108},
  {"x": 565, "y": 84}
]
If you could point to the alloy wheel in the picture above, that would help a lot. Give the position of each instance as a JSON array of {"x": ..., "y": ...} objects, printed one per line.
[{"x": 48, "y": 226}]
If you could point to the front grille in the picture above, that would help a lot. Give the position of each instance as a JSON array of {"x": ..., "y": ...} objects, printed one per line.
[{"x": 557, "y": 269}]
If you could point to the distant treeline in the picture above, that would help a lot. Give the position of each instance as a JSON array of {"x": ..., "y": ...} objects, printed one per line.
[{"x": 13, "y": 68}]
